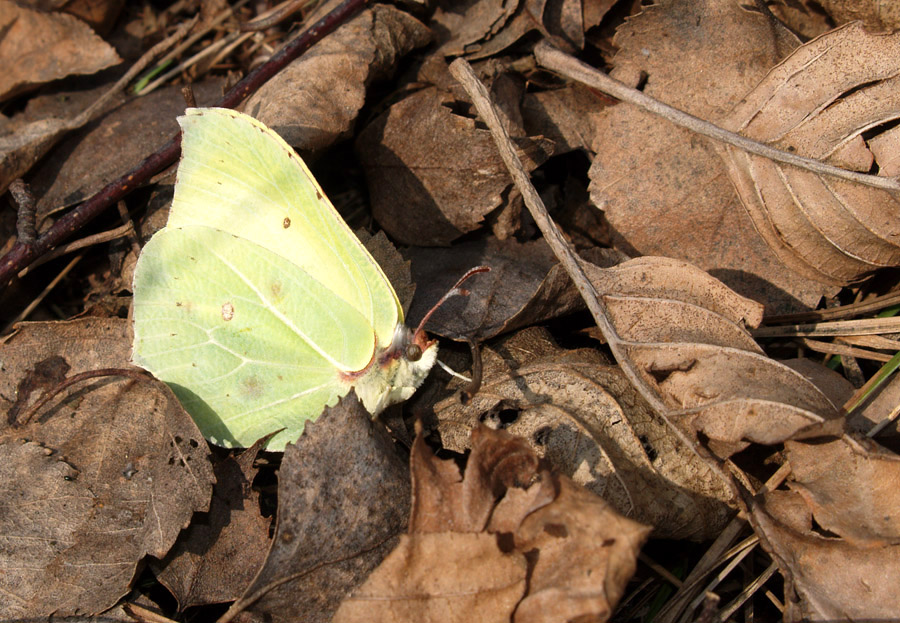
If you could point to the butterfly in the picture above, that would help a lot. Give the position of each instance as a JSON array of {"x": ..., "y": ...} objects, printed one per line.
[{"x": 256, "y": 303}]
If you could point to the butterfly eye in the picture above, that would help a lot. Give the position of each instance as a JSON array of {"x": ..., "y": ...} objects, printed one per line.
[{"x": 413, "y": 352}]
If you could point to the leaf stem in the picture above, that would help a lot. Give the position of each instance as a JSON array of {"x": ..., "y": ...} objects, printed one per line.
[{"x": 571, "y": 67}]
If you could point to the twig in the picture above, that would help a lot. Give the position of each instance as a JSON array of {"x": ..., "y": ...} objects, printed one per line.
[
  {"x": 47, "y": 289},
  {"x": 176, "y": 52},
  {"x": 716, "y": 553},
  {"x": 22, "y": 255},
  {"x": 748, "y": 592},
  {"x": 88, "y": 241},
  {"x": 274, "y": 16},
  {"x": 463, "y": 73},
  {"x": 138, "y": 375},
  {"x": 832, "y": 348},
  {"x": 865, "y": 326},
  {"x": 474, "y": 385},
  {"x": 571, "y": 67},
  {"x": 131, "y": 230}
]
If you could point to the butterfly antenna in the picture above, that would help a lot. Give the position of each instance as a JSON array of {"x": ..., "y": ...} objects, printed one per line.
[{"x": 456, "y": 290}]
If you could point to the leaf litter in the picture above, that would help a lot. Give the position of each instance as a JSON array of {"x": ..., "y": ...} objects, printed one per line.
[{"x": 670, "y": 417}]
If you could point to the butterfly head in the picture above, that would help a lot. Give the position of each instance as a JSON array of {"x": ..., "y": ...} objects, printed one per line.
[{"x": 398, "y": 370}]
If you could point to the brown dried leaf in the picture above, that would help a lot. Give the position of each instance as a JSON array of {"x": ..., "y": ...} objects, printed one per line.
[
  {"x": 361, "y": 51},
  {"x": 37, "y": 48},
  {"x": 443, "y": 501},
  {"x": 217, "y": 557},
  {"x": 527, "y": 17},
  {"x": 691, "y": 348},
  {"x": 563, "y": 585},
  {"x": 851, "y": 492},
  {"x": 444, "y": 577},
  {"x": 525, "y": 286},
  {"x": 567, "y": 116},
  {"x": 833, "y": 384},
  {"x": 804, "y": 17},
  {"x": 817, "y": 103},
  {"x": 343, "y": 493},
  {"x": 565, "y": 18},
  {"x": 133, "y": 461},
  {"x": 446, "y": 170},
  {"x": 580, "y": 553},
  {"x": 584, "y": 417},
  {"x": 877, "y": 15},
  {"x": 663, "y": 189},
  {"x": 847, "y": 573},
  {"x": 468, "y": 23}
]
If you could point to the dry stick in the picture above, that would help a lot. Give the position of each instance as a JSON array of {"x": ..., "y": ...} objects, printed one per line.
[
  {"x": 833, "y": 348},
  {"x": 835, "y": 313},
  {"x": 132, "y": 231},
  {"x": 571, "y": 67},
  {"x": 717, "y": 552},
  {"x": 463, "y": 73},
  {"x": 40, "y": 297},
  {"x": 22, "y": 255},
  {"x": 196, "y": 36},
  {"x": 274, "y": 16},
  {"x": 865, "y": 326},
  {"x": 99, "y": 238}
]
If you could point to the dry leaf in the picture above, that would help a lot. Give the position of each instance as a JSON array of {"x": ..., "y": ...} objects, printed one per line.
[
  {"x": 580, "y": 554},
  {"x": 687, "y": 339},
  {"x": 877, "y": 15},
  {"x": 525, "y": 286},
  {"x": 444, "y": 167},
  {"x": 565, "y": 18},
  {"x": 804, "y": 17},
  {"x": 343, "y": 64},
  {"x": 87, "y": 160},
  {"x": 567, "y": 116},
  {"x": 563, "y": 585},
  {"x": 37, "y": 48},
  {"x": 28, "y": 135},
  {"x": 343, "y": 494},
  {"x": 835, "y": 535},
  {"x": 112, "y": 471},
  {"x": 663, "y": 189},
  {"x": 445, "y": 577},
  {"x": 817, "y": 103},
  {"x": 851, "y": 492},
  {"x": 470, "y": 22},
  {"x": 217, "y": 557},
  {"x": 583, "y": 416}
]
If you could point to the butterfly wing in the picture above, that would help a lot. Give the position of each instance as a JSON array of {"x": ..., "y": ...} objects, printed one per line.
[
  {"x": 256, "y": 296},
  {"x": 240, "y": 177},
  {"x": 227, "y": 324}
]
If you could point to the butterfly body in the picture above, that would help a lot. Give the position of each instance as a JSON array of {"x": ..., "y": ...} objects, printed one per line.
[{"x": 256, "y": 303}]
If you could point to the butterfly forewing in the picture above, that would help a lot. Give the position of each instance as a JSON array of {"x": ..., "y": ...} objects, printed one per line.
[{"x": 257, "y": 188}]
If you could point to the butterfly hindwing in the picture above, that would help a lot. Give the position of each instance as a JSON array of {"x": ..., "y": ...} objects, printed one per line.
[{"x": 254, "y": 340}]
